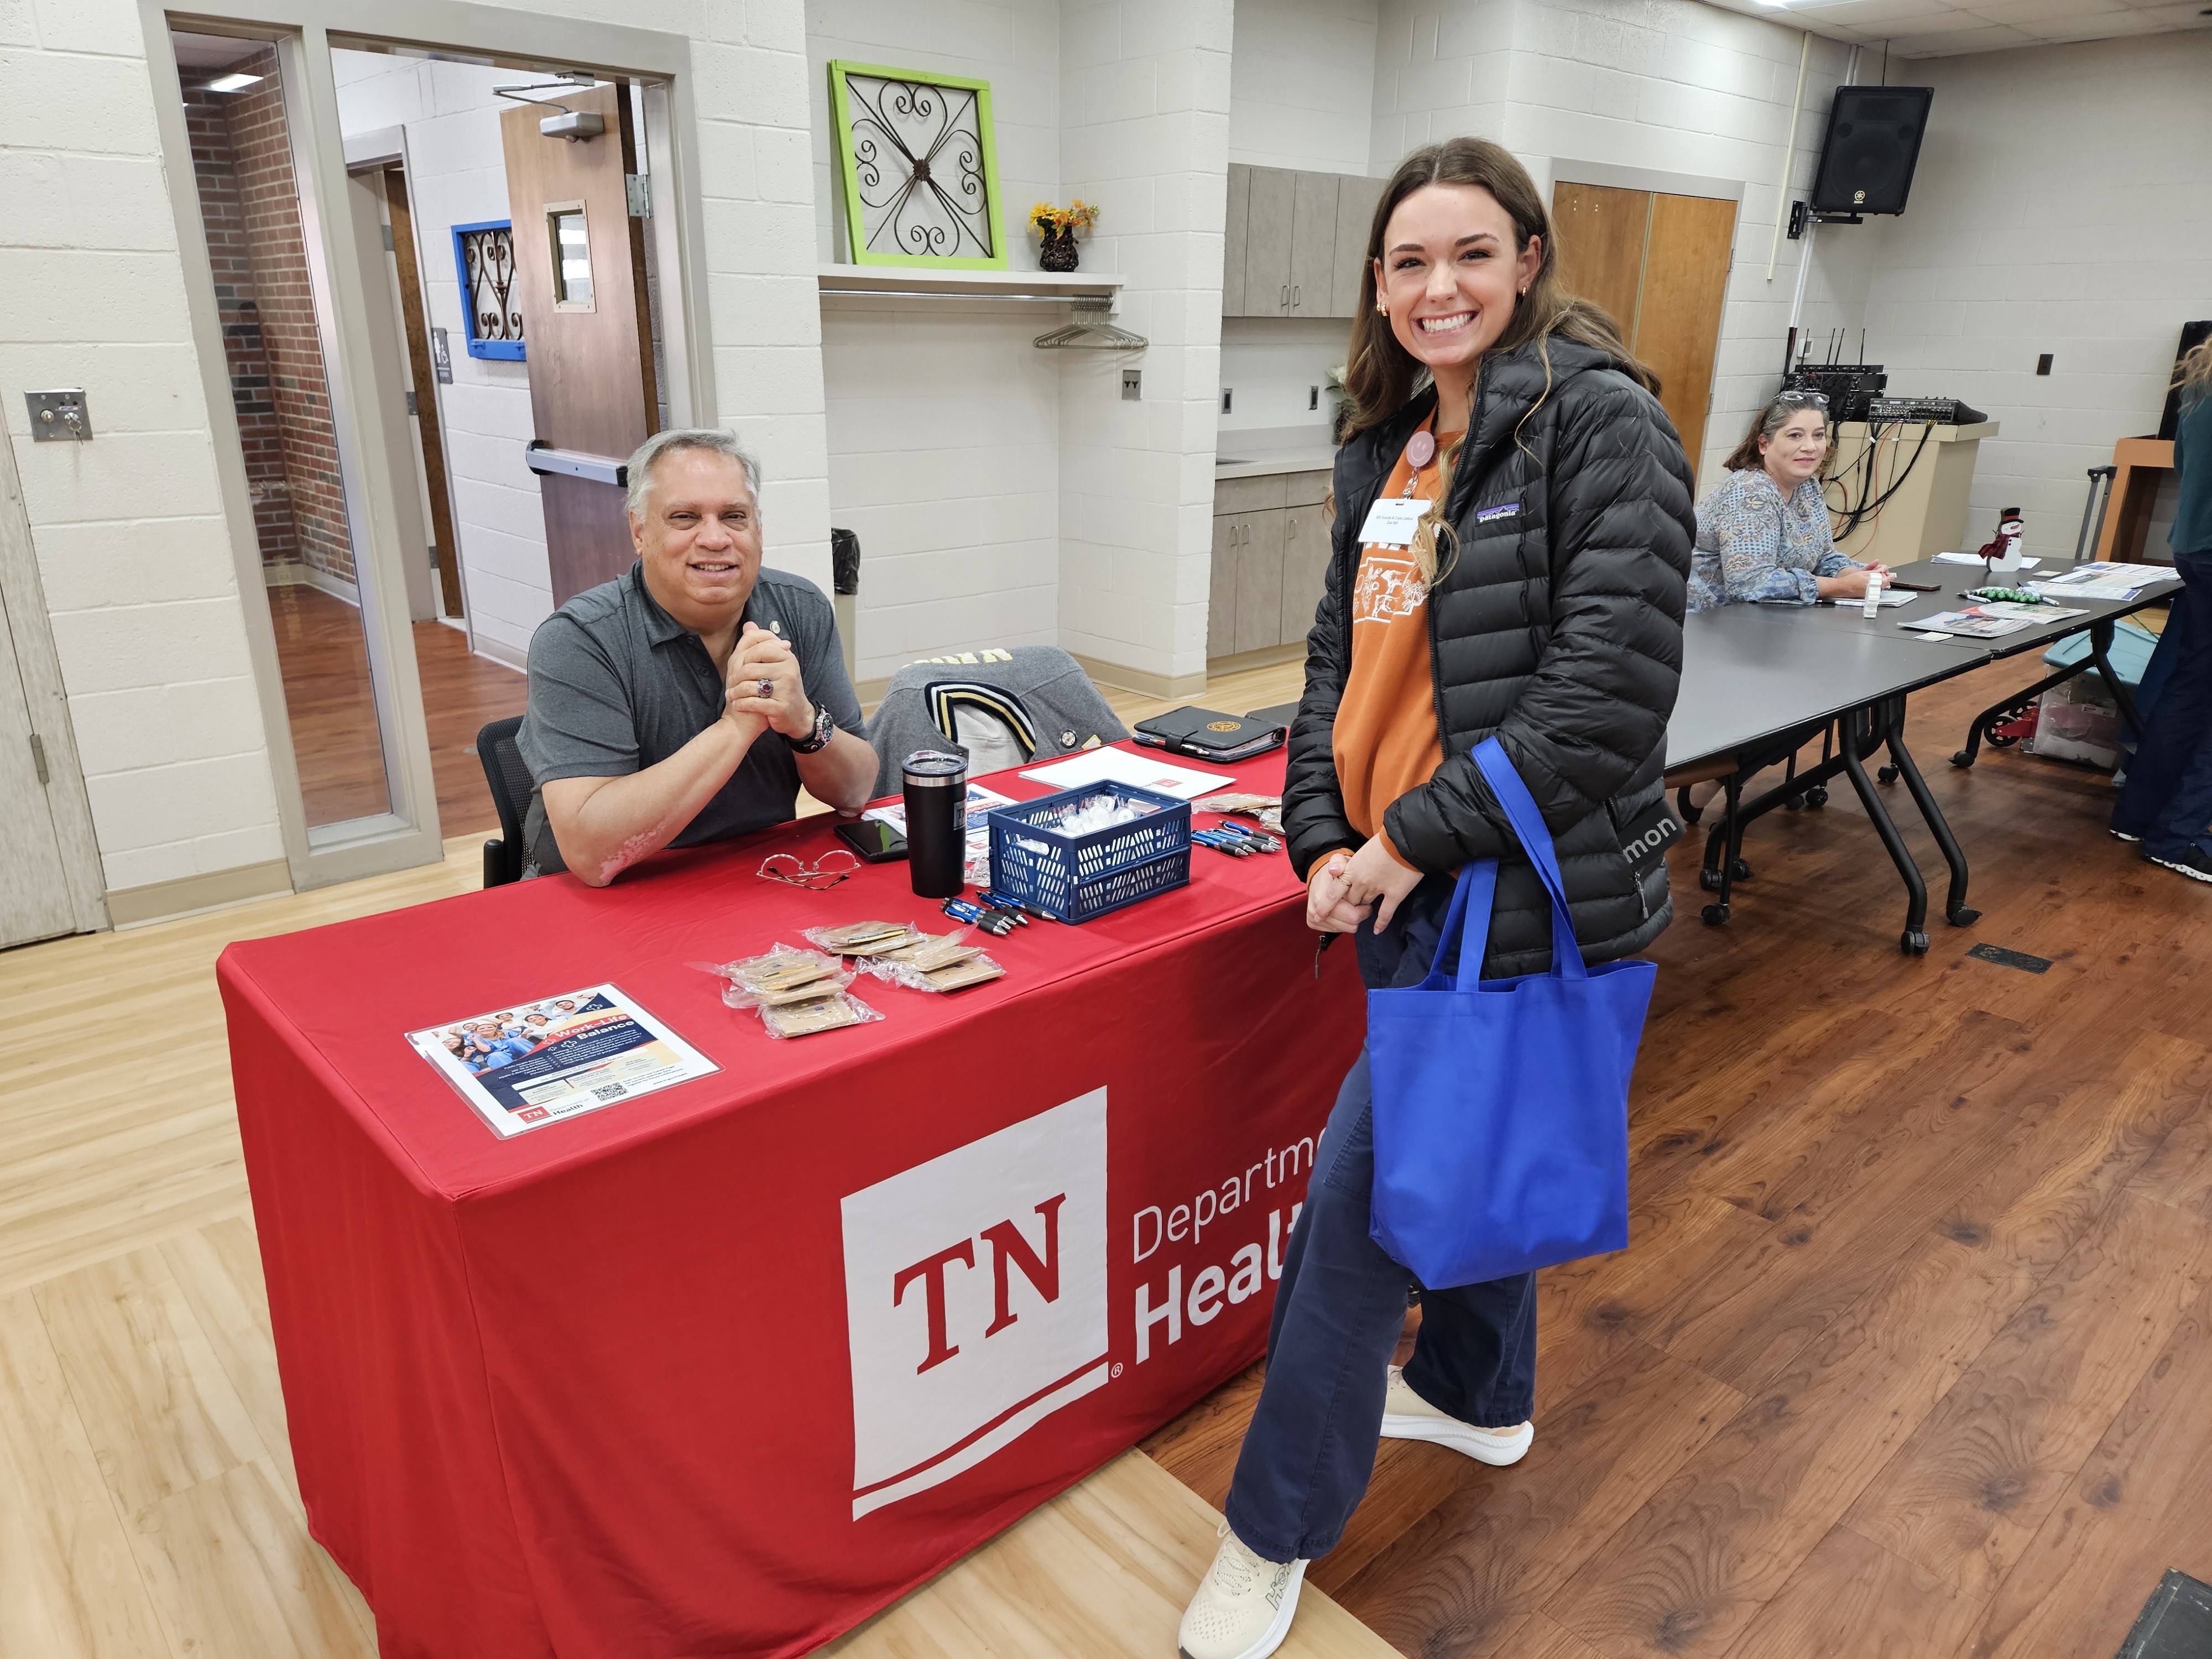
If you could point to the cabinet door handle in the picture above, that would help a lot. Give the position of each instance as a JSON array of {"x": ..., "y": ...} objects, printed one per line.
[
  {"x": 1294, "y": 297},
  {"x": 1286, "y": 294}
]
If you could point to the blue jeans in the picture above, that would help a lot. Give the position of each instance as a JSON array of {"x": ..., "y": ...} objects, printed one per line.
[
  {"x": 2167, "y": 799},
  {"x": 1339, "y": 1309}
]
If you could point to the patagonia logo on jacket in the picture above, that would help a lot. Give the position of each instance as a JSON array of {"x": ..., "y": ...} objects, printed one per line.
[{"x": 1491, "y": 515}]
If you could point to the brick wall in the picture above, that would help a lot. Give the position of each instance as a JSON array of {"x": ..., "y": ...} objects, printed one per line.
[
  {"x": 292, "y": 443},
  {"x": 214, "y": 175}
]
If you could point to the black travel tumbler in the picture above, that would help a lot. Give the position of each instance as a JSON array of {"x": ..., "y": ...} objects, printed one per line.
[{"x": 937, "y": 823}]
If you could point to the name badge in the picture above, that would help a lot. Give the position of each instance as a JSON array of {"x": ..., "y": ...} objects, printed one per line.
[{"x": 1392, "y": 522}]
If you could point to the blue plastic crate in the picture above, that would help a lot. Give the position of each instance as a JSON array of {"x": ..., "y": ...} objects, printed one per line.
[{"x": 1075, "y": 878}]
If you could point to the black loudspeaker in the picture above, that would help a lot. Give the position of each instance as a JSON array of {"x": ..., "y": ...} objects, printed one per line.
[{"x": 1874, "y": 139}]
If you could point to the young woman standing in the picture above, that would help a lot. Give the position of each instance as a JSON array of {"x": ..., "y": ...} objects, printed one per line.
[{"x": 1540, "y": 601}]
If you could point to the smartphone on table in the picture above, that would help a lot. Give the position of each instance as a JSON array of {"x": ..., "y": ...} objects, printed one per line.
[{"x": 874, "y": 841}]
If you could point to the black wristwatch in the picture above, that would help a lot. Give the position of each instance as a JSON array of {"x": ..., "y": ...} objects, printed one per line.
[{"x": 818, "y": 739}]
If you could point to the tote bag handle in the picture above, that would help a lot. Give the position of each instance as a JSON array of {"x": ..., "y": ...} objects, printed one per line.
[{"x": 1477, "y": 891}]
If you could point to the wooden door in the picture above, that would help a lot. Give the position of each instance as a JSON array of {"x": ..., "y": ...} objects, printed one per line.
[
  {"x": 422, "y": 380},
  {"x": 586, "y": 326},
  {"x": 1659, "y": 263},
  {"x": 1678, "y": 315},
  {"x": 1267, "y": 242},
  {"x": 1601, "y": 233},
  {"x": 35, "y": 891}
]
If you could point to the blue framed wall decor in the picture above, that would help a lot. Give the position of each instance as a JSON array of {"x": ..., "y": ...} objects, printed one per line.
[{"x": 484, "y": 261}]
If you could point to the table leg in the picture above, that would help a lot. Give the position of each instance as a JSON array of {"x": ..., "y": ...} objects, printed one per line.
[
  {"x": 1914, "y": 940},
  {"x": 1955, "y": 909},
  {"x": 1726, "y": 841}
]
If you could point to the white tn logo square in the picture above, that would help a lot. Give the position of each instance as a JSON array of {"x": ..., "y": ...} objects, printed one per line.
[{"x": 975, "y": 1298}]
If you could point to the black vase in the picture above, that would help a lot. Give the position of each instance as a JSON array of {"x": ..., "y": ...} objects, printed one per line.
[{"x": 1057, "y": 253}]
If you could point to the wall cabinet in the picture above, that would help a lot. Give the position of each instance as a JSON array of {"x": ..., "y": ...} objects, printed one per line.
[
  {"x": 1270, "y": 559},
  {"x": 1295, "y": 242}
]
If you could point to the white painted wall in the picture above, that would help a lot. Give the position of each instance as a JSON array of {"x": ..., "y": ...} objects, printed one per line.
[
  {"x": 132, "y": 547},
  {"x": 2060, "y": 205},
  {"x": 1272, "y": 362},
  {"x": 457, "y": 175},
  {"x": 1301, "y": 84},
  {"x": 1144, "y": 133},
  {"x": 943, "y": 420}
]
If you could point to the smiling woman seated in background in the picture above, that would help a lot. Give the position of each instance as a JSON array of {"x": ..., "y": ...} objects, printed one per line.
[{"x": 1763, "y": 537}]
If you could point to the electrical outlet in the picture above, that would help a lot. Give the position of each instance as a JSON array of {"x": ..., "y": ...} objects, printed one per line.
[
  {"x": 1133, "y": 386},
  {"x": 1313, "y": 397},
  {"x": 1228, "y": 399}
]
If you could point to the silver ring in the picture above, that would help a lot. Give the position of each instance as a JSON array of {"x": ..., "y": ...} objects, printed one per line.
[{"x": 767, "y": 688}]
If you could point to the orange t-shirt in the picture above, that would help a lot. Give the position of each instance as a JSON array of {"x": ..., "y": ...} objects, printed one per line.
[{"x": 1385, "y": 741}]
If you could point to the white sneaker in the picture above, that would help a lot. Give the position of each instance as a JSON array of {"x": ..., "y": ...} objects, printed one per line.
[
  {"x": 1243, "y": 1605},
  {"x": 1406, "y": 1416}
]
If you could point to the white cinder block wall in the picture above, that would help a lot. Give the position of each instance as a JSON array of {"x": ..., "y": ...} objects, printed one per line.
[
  {"x": 457, "y": 175},
  {"x": 943, "y": 420},
  {"x": 132, "y": 547},
  {"x": 2062, "y": 204},
  {"x": 1145, "y": 112}
]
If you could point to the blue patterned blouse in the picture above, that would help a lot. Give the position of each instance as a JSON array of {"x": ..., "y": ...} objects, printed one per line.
[{"x": 1752, "y": 544}]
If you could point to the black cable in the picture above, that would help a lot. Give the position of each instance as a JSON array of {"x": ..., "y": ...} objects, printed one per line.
[{"x": 1854, "y": 516}]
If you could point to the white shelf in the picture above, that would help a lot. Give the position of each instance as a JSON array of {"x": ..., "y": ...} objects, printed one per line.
[{"x": 923, "y": 283}]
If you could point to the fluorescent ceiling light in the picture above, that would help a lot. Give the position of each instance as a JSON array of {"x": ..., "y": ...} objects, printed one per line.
[{"x": 235, "y": 81}]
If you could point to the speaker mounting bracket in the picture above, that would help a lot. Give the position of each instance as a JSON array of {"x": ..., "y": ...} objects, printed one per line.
[{"x": 1836, "y": 218}]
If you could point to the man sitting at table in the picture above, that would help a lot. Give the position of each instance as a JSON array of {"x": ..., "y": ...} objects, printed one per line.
[{"x": 689, "y": 700}]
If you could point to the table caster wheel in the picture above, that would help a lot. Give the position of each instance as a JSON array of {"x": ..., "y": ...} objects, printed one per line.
[
  {"x": 1714, "y": 915},
  {"x": 1961, "y": 916},
  {"x": 1914, "y": 943},
  {"x": 1962, "y": 759},
  {"x": 1887, "y": 774},
  {"x": 1740, "y": 870},
  {"x": 1816, "y": 796},
  {"x": 1710, "y": 880}
]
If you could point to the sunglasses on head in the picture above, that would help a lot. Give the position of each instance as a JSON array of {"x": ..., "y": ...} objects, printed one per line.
[{"x": 1819, "y": 399}]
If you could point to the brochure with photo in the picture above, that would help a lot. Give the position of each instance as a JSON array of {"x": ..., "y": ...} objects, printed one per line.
[{"x": 535, "y": 1063}]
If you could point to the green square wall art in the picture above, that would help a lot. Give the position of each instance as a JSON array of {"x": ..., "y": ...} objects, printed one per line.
[{"x": 919, "y": 166}]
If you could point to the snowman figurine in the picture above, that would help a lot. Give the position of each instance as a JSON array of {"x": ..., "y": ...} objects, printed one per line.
[{"x": 2000, "y": 555}]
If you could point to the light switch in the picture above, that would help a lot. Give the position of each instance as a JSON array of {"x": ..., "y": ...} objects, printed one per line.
[
  {"x": 58, "y": 416},
  {"x": 1313, "y": 397},
  {"x": 1228, "y": 399}
]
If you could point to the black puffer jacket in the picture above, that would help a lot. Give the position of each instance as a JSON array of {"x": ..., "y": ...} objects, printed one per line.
[{"x": 1558, "y": 629}]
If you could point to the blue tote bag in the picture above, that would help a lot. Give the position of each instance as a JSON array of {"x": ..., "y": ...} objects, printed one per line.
[{"x": 1501, "y": 1106}]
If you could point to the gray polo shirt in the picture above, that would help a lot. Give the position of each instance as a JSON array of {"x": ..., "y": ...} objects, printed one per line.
[{"x": 618, "y": 685}]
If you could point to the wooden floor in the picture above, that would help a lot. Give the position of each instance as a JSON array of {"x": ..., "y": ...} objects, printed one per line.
[
  {"x": 333, "y": 711},
  {"x": 1907, "y": 1358}
]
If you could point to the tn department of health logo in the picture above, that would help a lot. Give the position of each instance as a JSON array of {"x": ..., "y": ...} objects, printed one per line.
[{"x": 976, "y": 1298}]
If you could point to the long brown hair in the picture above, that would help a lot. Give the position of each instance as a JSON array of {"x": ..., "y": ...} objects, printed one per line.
[
  {"x": 1382, "y": 376},
  {"x": 1747, "y": 457}
]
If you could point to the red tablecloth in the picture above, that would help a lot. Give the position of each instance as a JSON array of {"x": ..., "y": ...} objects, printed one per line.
[{"x": 670, "y": 1378}]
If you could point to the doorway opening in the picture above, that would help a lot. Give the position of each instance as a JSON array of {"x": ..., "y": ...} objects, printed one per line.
[{"x": 509, "y": 288}]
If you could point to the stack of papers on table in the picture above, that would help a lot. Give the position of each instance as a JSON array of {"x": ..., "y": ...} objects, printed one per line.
[
  {"x": 1120, "y": 766},
  {"x": 1975, "y": 623},
  {"x": 2101, "y": 580}
]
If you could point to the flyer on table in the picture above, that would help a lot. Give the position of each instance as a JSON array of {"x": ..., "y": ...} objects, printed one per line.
[{"x": 535, "y": 1063}]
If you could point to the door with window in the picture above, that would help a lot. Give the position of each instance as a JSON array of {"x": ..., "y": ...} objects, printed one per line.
[
  {"x": 580, "y": 281},
  {"x": 1659, "y": 263}
]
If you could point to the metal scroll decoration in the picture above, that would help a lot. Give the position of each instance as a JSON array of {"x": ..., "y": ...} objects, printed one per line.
[
  {"x": 483, "y": 260},
  {"x": 919, "y": 165}
]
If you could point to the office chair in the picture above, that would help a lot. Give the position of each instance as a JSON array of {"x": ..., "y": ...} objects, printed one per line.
[{"x": 511, "y": 787}]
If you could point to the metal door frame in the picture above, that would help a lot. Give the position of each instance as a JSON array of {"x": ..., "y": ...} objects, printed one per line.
[{"x": 304, "y": 31}]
